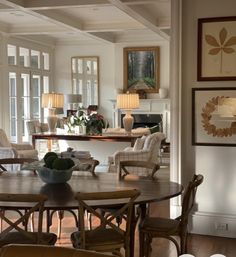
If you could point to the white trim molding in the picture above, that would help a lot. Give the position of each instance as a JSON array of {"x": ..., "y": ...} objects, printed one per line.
[{"x": 215, "y": 224}]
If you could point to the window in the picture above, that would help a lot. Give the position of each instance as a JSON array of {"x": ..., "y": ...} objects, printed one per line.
[
  {"x": 24, "y": 57},
  {"x": 11, "y": 53},
  {"x": 26, "y": 86}
]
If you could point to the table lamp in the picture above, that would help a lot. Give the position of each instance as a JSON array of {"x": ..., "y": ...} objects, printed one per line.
[
  {"x": 71, "y": 102},
  {"x": 127, "y": 102},
  {"x": 52, "y": 101}
]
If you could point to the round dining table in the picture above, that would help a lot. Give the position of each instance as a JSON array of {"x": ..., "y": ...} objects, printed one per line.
[{"x": 61, "y": 196}]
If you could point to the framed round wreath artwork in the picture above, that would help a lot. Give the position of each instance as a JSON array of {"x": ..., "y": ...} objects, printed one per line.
[{"x": 214, "y": 116}]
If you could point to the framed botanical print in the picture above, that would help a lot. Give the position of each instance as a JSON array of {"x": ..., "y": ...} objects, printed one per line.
[
  {"x": 214, "y": 116},
  {"x": 216, "y": 49},
  {"x": 142, "y": 69}
]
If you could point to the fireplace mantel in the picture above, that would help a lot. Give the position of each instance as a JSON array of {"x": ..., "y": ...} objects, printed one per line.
[{"x": 147, "y": 106}]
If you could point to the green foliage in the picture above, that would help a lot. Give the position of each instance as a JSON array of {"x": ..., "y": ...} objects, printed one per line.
[
  {"x": 49, "y": 154},
  {"x": 60, "y": 164},
  {"x": 50, "y": 160}
]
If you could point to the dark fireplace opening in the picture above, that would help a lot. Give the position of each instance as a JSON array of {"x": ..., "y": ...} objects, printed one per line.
[{"x": 146, "y": 120}]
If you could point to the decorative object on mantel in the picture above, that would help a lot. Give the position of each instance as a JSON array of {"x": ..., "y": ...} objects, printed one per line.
[
  {"x": 142, "y": 94},
  {"x": 128, "y": 102},
  {"x": 142, "y": 69},
  {"x": 163, "y": 92},
  {"x": 52, "y": 101}
]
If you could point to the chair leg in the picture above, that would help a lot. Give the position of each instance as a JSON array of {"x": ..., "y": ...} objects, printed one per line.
[
  {"x": 141, "y": 243},
  {"x": 60, "y": 216},
  {"x": 183, "y": 243}
]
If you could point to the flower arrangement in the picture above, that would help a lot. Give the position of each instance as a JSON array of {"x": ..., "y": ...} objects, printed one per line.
[{"x": 93, "y": 122}]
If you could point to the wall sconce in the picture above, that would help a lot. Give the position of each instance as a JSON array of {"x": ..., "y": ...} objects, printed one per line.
[
  {"x": 127, "y": 102},
  {"x": 52, "y": 101}
]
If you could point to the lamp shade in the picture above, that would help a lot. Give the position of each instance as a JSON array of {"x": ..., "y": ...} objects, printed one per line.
[
  {"x": 127, "y": 101},
  {"x": 72, "y": 98},
  {"x": 52, "y": 100}
]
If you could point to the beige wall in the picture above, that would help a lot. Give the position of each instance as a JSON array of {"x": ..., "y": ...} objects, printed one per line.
[{"x": 216, "y": 197}]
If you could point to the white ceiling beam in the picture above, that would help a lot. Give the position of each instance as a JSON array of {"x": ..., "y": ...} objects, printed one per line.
[
  {"x": 109, "y": 27},
  {"x": 148, "y": 22},
  {"x": 143, "y": 2},
  {"x": 61, "y": 4},
  {"x": 40, "y": 30}
]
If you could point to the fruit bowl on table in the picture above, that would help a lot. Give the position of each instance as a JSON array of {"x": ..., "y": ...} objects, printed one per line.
[{"x": 51, "y": 175}]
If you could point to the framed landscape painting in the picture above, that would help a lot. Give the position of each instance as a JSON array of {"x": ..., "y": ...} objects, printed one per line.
[
  {"x": 214, "y": 116},
  {"x": 142, "y": 69},
  {"x": 216, "y": 49}
]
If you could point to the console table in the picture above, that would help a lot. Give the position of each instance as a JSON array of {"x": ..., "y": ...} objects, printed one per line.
[{"x": 75, "y": 137}]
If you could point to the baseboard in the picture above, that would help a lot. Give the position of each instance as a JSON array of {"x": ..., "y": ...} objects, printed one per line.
[{"x": 213, "y": 224}]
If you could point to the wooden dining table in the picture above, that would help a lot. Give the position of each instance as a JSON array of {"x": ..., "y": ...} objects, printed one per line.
[{"x": 61, "y": 196}]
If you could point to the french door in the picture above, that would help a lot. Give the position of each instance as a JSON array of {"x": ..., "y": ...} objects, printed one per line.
[{"x": 25, "y": 90}]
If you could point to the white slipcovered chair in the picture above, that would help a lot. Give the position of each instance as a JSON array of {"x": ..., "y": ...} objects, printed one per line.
[
  {"x": 146, "y": 148},
  {"x": 11, "y": 150}
]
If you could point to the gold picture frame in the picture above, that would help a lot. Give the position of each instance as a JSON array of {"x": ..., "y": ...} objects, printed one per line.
[
  {"x": 213, "y": 120},
  {"x": 142, "y": 69},
  {"x": 216, "y": 49}
]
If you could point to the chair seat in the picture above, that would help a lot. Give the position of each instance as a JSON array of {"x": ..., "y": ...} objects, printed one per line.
[
  {"x": 160, "y": 225},
  {"x": 19, "y": 238},
  {"x": 104, "y": 238}
]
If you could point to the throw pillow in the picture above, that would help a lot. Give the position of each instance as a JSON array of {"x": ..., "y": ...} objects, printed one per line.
[{"x": 138, "y": 145}]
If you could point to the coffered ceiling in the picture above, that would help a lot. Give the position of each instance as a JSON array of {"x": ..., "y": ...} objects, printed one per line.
[{"x": 111, "y": 21}]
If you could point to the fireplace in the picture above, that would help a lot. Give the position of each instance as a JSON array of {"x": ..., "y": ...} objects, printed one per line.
[
  {"x": 146, "y": 120},
  {"x": 151, "y": 112}
]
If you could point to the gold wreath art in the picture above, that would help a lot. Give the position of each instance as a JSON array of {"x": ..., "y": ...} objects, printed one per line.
[{"x": 211, "y": 129}]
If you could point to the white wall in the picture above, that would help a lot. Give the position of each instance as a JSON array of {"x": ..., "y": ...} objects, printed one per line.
[
  {"x": 111, "y": 77},
  {"x": 216, "y": 197}
]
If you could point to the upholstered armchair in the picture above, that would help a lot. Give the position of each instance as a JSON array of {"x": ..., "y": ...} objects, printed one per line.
[
  {"x": 10, "y": 150},
  {"x": 146, "y": 148}
]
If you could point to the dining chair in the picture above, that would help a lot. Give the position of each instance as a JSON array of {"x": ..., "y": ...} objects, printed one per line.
[
  {"x": 16, "y": 250},
  {"x": 155, "y": 227},
  {"x": 15, "y": 229},
  {"x": 123, "y": 171},
  {"x": 106, "y": 236},
  {"x": 14, "y": 161}
]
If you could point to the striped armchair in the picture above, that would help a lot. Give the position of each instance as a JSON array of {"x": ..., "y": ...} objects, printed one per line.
[{"x": 145, "y": 148}]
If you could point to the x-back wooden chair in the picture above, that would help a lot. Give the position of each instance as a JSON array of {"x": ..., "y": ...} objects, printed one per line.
[
  {"x": 13, "y": 230},
  {"x": 12, "y": 161},
  {"x": 154, "y": 227},
  {"x": 107, "y": 236}
]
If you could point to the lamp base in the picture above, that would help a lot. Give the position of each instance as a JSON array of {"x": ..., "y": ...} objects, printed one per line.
[
  {"x": 52, "y": 122},
  {"x": 128, "y": 122}
]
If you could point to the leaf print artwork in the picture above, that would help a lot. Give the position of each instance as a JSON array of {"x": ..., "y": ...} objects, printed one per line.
[{"x": 223, "y": 45}]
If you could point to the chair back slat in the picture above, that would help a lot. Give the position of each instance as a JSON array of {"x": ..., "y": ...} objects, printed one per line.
[
  {"x": 189, "y": 197},
  {"x": 126, "y": 196},
  {"x": 35, "y": 202},
  {"x": 6, "y": 161}
]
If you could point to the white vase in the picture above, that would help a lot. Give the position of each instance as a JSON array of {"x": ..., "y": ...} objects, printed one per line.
[{"x": 163, "y": 92}]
